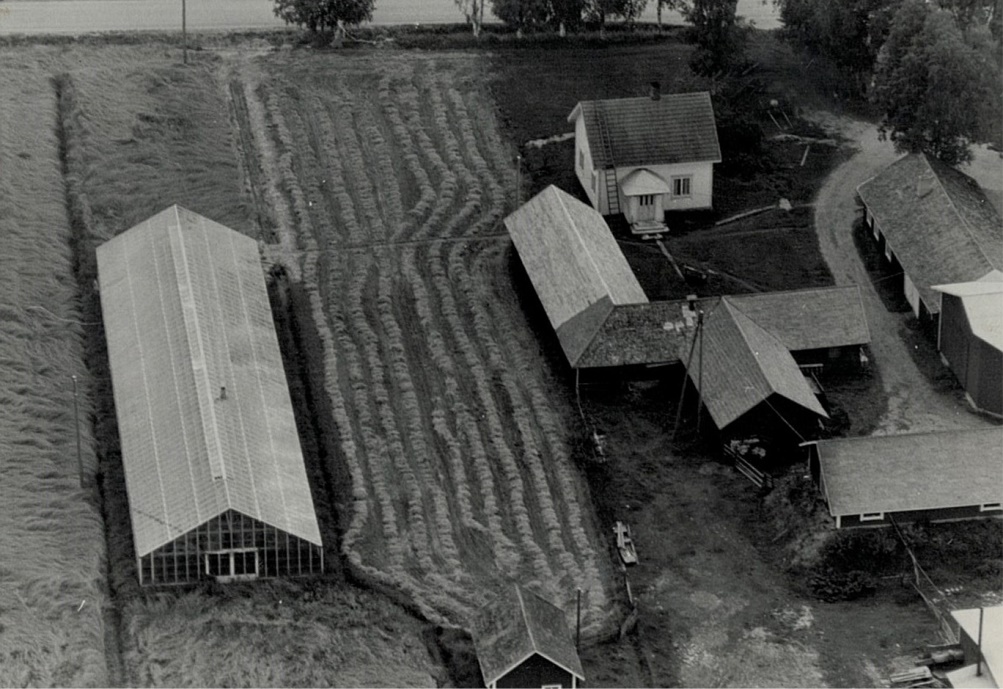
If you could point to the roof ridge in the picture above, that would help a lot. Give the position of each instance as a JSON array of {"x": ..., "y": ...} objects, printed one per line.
[
  {"x": 525, "y": 618},
  {"x": 950, "y": 202},
  {"x": 745, "y": 338}
]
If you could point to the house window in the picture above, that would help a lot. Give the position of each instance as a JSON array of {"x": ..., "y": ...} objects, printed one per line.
[
  {"x": 991, "y": 507},
  {"x": 872, "y": 516},
  {"x": 646, "y": 200},
  {"x": 581, "y": 159},
  {"x": 681, "y": 186}
]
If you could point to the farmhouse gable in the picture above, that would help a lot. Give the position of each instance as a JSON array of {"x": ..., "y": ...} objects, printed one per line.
[{"x": 644, "y": 156}]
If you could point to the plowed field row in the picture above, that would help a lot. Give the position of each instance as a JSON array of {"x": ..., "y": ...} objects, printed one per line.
[{"x": 461, "y": 475}]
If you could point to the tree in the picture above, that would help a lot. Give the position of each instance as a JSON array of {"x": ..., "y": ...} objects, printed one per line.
[
  {"x": 678, "y": 5},
  {"x": 599, "y": 10},
  {"x": 323, "y": 16},
  {"x": 566, "y": 12},
  {"x": 931, "y": 84},
  {"x": 717, "y": 33},
  {"x": 473, "y": 10},
  {"x": 521, "y": 14}
]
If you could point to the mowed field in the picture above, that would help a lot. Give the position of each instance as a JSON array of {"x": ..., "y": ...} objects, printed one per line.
[
  {"x": 52, "y": 545},
  {"x": 460, "y": 467}
]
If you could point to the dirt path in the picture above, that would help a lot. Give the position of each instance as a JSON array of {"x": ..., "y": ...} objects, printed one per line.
[{"x": 913, "y": 404}]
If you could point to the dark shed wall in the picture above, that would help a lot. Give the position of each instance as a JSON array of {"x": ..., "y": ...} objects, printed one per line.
[
  {"x": 985, "y": 376},
  {"x": 536, "y": 671},
  {"x": 955, "y": 334}
]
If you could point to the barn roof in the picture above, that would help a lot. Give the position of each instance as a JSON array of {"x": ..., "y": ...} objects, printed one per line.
[
  {"x": 639, "y": 334},
  {"x": 187, "y": 319},
  {"x": 915, "y": 471},
  {"x": 982, "y": 301},
  {"x": 743, "y": 365},
  {"x": 575, "y": 265},
  {"x": 517, "y": 626},
  {"x": 675, "y": 128},
  {"x": 937, "y": 221},
  {"x": 809, "y": 318}
]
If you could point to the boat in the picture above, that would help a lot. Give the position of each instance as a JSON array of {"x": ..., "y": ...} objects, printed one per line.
[{"x": 625, "y": 544}]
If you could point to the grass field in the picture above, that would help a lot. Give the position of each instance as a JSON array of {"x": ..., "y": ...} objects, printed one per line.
[
  {"x": 52, "y": 545},
  {"x": 460, "y": 470}
]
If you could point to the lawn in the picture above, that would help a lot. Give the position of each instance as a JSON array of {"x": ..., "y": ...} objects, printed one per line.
[{"x": 52, "y": 545}]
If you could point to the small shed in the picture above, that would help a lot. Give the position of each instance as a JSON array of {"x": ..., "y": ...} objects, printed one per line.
[
  {"x": 970, "y": 338},
  {"x": 214, "y": 473},
  {"x": 938, "y": 476},
  {"x": 936, "y": 222},
  {"x": 990, "y": 650},
  {"x": 645, "y": 156},
  {"x": 523, "y": 640}
]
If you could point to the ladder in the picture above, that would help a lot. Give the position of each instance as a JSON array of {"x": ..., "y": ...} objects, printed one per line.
[{"x": 612, "y": 188}]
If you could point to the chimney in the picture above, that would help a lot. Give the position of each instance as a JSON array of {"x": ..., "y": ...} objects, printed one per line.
[{"x": 655, "y": 90}]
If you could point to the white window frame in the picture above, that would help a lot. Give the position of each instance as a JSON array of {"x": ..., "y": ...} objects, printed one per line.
[
  {"x": 991, "y": 507},
  {"x": 231, "y": 576},
  {"x": 872, "y": 516},
  {"x": 645, "y": 200},
  {"x": 682, "y": 181}
]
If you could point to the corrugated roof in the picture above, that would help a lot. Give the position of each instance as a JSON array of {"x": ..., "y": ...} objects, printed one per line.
[
  {"x": 982, "y": 301},
  {"x": 676, "y": 128},
  {"x": 186, "y": 314},
  {"x": 515, "y": 627},
  {"x": 574, "y": 263},
  {"x": 743, "y": 365},
  {"x": 916, "y": 471},
  {"x": 937, "y": 221},
  {"x": 809, "y": 318}
]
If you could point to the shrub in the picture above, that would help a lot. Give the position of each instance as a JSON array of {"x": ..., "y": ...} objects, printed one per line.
[{"x": 832, "y": 586}]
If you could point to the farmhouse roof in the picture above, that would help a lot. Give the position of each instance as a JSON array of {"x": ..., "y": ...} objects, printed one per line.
[
  {"x": 675, "y": 128},
  {"x": 809, "y": 318},
  {"x": 743, "y": 365},
  {"x": 937, "y": 221},
  {"x": 982, "y": 301},
  {"x": 992, "y": 644},
  {"x": 915, "y": 471},
  {"x": 204, "y": 414},
  {"x": 517, "y": 626},
  {"x": 575, "y": 265}
]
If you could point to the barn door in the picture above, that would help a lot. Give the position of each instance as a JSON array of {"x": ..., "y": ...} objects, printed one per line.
[{"x": 232, "y": 565}]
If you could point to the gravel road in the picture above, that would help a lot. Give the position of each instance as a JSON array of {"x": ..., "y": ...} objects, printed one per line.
[{"x": 913, "y": 405}]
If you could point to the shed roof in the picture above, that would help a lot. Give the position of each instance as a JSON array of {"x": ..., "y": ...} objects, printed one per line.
[
  {"x": 639, "y": 334},
  {"x": 518, "y": 625},
  {"x": 992, "y": 639},
  {"x": 938, "y": 222},
  {"x": 675, "y": 128},
  {"x": 915, "y": 471},
  {"x": 575, "y": 265},
  {"x": 982, "y": 301},
  {"x": 809, "y": 318},
  {"x": 186, "y": 315},
  {"x": 743, "y": 365}
]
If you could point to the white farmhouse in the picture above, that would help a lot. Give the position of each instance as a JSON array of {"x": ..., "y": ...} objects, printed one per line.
[{"x": 645, "y": 156}]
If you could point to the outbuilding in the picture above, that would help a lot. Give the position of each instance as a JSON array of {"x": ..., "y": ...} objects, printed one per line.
[
  {"x": 645, "y": 156},
  {"x": 935, "y": 476},
  {"x": 523, "y": 640},
  {"x": 936, "y": 223},
  {"x": 214, "y": 473},
  {"x": 970, "y": 338}
]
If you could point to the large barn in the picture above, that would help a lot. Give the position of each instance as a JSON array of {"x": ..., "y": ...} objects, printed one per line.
[
  {"x": 215, "y": 476},
  {"x": 645, "y": 156},
  {"x": 936, "y": 223},
  {"x": 936, "y": 476},
  {"x": 970, "y": 338}
]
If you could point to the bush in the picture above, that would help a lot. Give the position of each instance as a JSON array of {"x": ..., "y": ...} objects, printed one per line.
[{"x": 832, "y": 586}]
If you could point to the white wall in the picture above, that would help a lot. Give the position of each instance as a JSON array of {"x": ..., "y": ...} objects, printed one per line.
[
  {"x": 911, "y": 293},
  {"x": 584, "y": 173},
  {"x": 701, "y": 184}
]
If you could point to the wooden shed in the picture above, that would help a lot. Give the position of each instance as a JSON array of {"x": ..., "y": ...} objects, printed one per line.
[
  {"x": 936, "y": 476},
  {"x": 215, "y": 476},
  {"x": 936, "y": 223},
  {"x": 645, "y": 156},
  {"x": 970, "y": 338},
  {"x": 523, "y": 640}
]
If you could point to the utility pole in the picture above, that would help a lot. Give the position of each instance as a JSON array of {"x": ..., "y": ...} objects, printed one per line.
[
  {"x": 978, "y": 666},
  {"x": 518, "y": 181},
  {"x": 76, "y": 423},
  {"x": 184, "y": 31}
]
